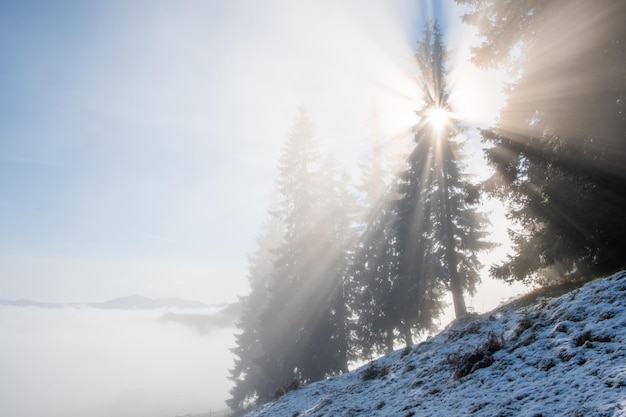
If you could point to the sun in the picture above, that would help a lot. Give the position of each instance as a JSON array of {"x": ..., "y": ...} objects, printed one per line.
[{"x": 438, "y": 117}]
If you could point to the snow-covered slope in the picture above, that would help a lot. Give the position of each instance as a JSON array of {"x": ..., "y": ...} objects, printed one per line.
[{"x": 560, "y": 357}]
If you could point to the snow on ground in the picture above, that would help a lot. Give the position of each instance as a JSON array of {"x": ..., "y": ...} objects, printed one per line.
[{"x": 556, "y": 357}]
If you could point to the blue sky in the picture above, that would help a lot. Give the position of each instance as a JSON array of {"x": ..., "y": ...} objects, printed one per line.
[{"x": 139, "y": 139}]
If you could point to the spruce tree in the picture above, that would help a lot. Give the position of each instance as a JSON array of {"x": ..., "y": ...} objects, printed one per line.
[
  {"x": 302, "y": 327},
  {"x": 438, "y": 229},
  {"x": 246, "y": 373},
  {"x": 336, "y": 223},
  {"x": 373, "y": 269},
  {"x": 558, "y": 148},
  {"x": 286, "y": 323}
]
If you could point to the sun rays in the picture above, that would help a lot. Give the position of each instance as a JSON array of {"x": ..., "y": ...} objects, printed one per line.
[{"x": 438, "y": 118}]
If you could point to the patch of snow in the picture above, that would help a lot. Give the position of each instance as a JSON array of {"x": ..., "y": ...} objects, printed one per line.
[{"x": 557, "y": 357}]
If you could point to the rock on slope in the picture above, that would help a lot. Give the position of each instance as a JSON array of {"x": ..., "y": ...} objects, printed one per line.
[{"x": 564, "y": 356}]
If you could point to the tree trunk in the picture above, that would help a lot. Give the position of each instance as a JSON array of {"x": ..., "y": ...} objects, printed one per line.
[
  {"x": 408, "y": 337},
  {"x": 457, "y": 298},
  {"x": 456, "y": 285}
]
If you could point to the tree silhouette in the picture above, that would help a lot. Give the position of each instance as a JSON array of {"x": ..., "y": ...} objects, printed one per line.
[
  {"x": 374, "y": 266},
  {"x": 438, "y": 229},
  {"x": 295, "y": 320},
  {"x": 559, "y": 145},
  {"x": 246, "y": 373}
]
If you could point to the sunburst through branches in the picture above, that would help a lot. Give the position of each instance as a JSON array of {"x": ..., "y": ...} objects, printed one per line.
[{"x": 438, "y": 118}]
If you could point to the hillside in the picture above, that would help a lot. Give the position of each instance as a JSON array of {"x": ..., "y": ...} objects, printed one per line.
[{"x": 564, "y": 356}]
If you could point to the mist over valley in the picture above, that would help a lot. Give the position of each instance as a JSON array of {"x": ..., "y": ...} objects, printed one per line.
[{"x": 76, "y": 361}]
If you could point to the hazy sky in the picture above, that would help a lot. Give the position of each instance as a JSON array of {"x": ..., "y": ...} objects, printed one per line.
[{"x": 139, "y": 139}]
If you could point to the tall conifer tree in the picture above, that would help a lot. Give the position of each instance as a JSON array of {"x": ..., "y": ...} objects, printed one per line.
[
  {"x": 560, "y": 143},
  {"x": 246, "y": 373},
  {"x": 300, "y": 330},
  {"x": 373, "y": 269},
  {"x": 438, "y": 228}
]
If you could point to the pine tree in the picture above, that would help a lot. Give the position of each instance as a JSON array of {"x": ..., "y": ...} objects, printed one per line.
[
  {"x": 336, "y": 223},
  {"x": 301, "y": 331},
  {"x": 373, "y": 269},
  {"x": 284, "y": 324},
  {"x": 438, "y": 229},
  {"x": 246, "y": 373},
  {"x": 559, "y": 147}
]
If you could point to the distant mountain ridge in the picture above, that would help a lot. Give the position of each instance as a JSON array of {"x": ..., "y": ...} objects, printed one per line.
[
  {"x": 139, "y": 302},
  {"x": 29, "y": 303},
  {"x": 133, "y": 302}
]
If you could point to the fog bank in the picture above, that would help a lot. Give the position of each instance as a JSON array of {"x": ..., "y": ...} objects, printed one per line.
[{"x": 80, "y": 361}]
